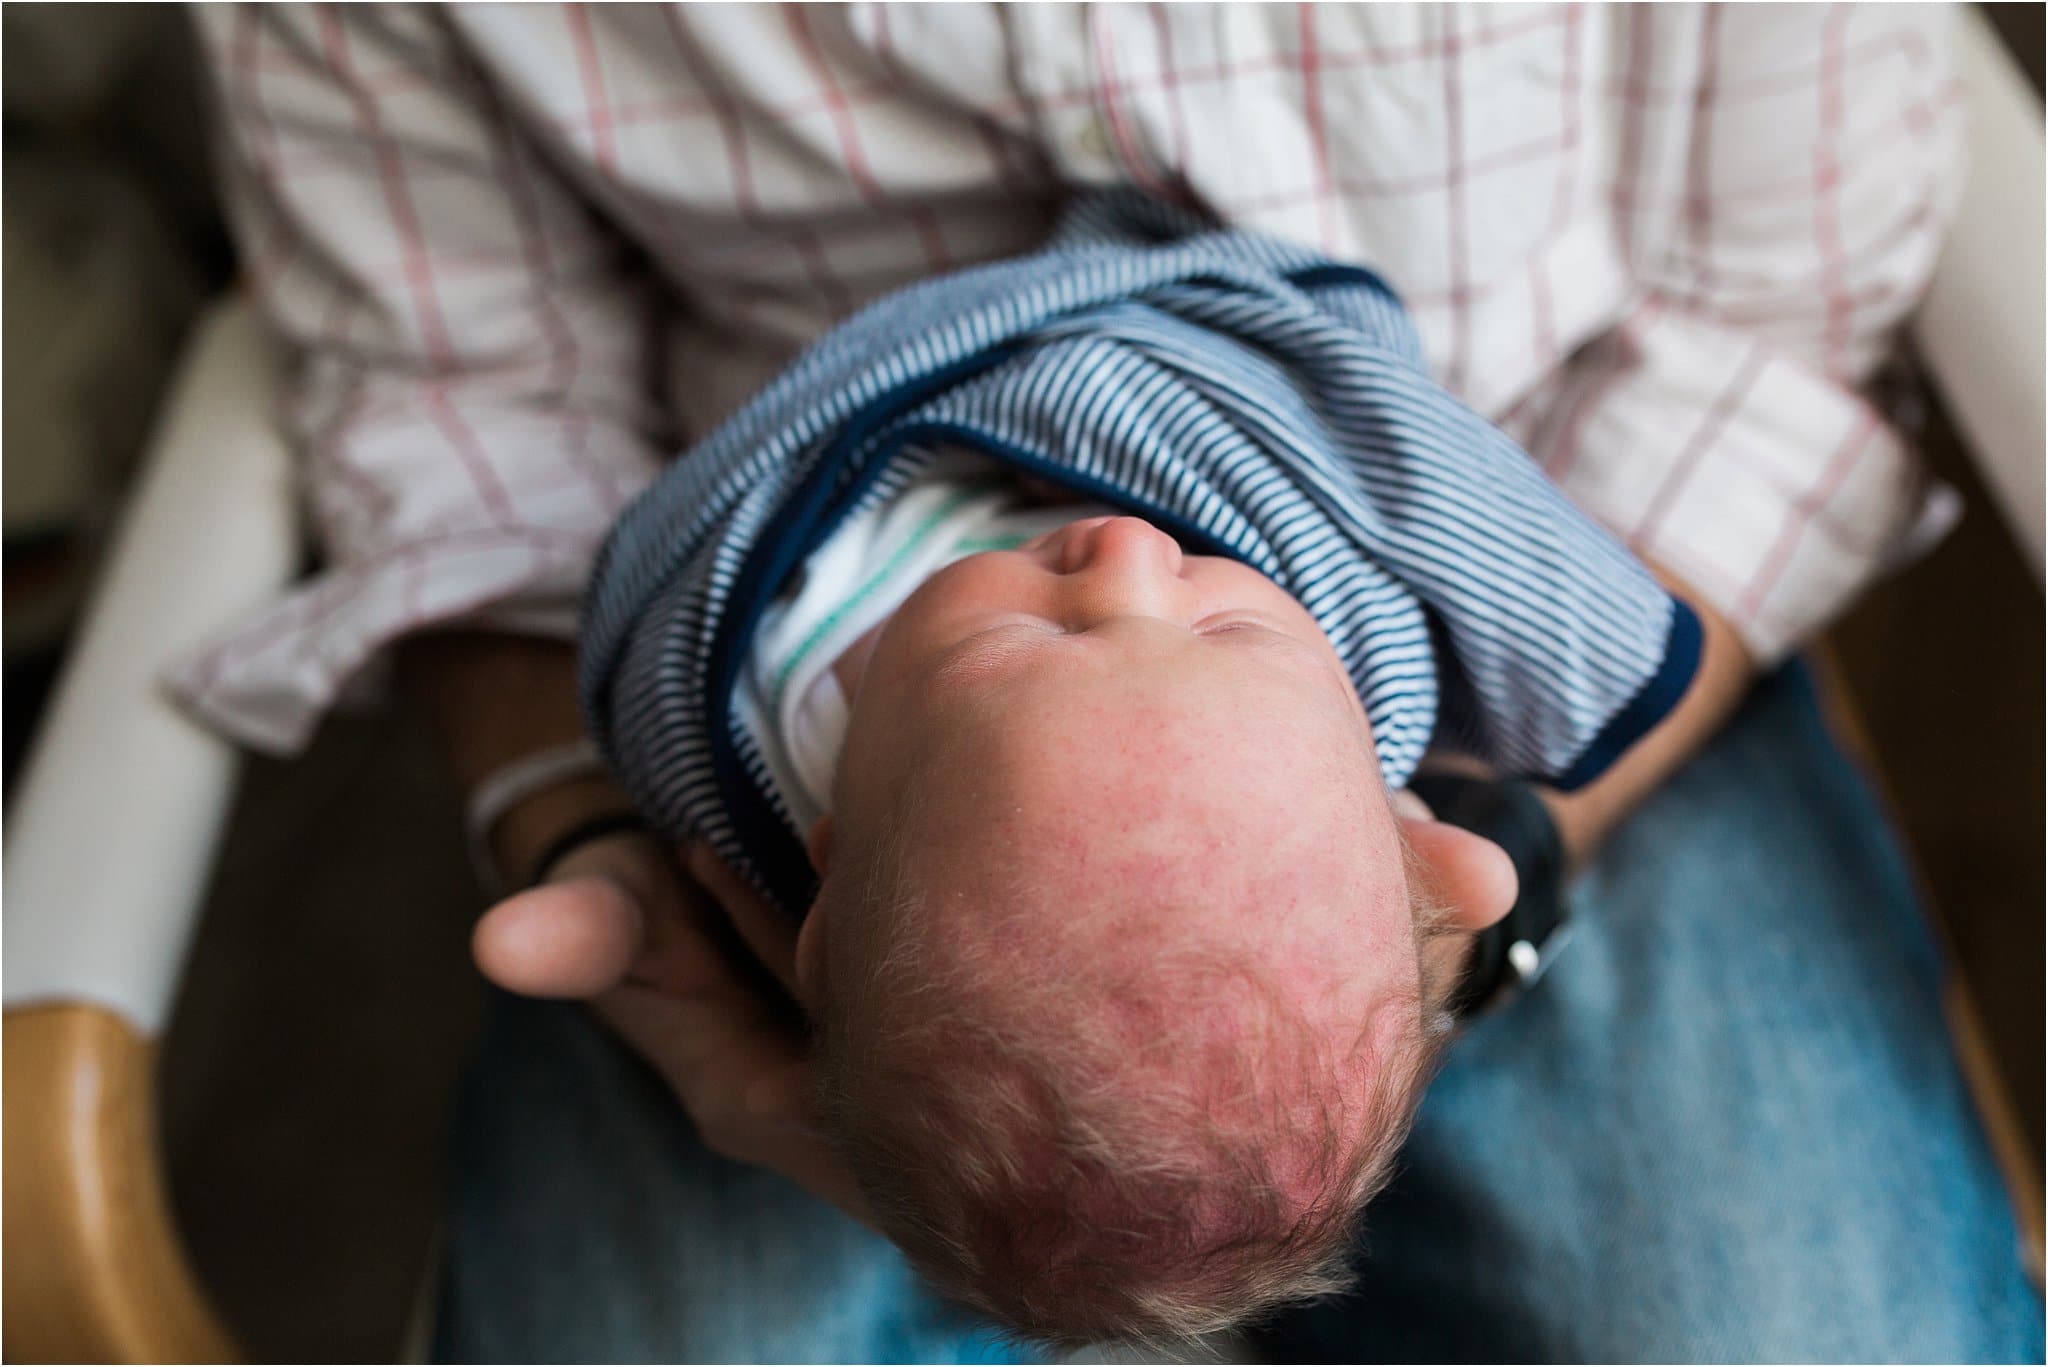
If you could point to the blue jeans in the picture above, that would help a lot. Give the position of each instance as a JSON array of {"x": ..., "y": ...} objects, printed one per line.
[{"x": 1728, "y": 1126}]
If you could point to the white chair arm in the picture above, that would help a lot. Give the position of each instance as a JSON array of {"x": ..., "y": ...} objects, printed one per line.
[
  {"x": 111, "y": 835},
  {"x": 1980, "y": 327}
]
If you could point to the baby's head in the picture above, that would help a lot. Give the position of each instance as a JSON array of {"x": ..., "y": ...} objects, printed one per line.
[{"x": 1123, "y": 965}]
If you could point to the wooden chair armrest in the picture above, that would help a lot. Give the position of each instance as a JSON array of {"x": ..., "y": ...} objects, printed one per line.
[
  {"x": 98, "y": 929},
  {"x": 94, "y": 1269}
]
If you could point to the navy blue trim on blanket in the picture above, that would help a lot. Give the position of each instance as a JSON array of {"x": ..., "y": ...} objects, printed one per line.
[
  {"x": 1651, "y": 704},
  {"x": 1337, "y": 273}
]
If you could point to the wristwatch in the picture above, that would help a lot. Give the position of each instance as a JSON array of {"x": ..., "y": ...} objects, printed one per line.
[{"x": 1513, "y": 953}]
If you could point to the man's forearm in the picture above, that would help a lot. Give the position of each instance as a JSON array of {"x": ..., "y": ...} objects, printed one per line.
[{"x": 1586, "y": 817}]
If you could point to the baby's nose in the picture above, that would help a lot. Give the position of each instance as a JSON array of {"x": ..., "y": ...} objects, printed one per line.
[
  {"x": 1122, "y": 545},
  {"x": 1120, "y": 567}
]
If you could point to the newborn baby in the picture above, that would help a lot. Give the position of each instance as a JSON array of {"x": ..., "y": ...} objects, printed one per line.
[
  {"x": 1124, "y": 973},
  {"x": 1117, "y": 962}
]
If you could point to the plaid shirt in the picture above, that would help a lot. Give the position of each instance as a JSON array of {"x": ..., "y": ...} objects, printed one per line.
[{"x": 526, "y": 252}]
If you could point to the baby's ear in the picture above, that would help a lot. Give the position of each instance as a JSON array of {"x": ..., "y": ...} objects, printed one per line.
[
  {"x": 1474, "y": 877},
  {"x": 818, "y": 844},
  {"x": 810, "y": 958},
  {"x": 810, "y": 939}
]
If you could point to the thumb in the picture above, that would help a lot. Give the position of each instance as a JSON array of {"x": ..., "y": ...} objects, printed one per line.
[
  {"x": 575, "y": 938},
  {"x": 1474, "y": 877}
]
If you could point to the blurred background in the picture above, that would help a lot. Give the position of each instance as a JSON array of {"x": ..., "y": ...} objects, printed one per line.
[{"x": 327, "y": 1006}]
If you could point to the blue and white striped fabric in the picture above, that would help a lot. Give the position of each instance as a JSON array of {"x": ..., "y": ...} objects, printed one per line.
[{"x": 1248, "y": 395}]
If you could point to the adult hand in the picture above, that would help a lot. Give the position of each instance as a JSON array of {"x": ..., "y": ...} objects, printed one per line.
[{"x": 619, "y": 926}]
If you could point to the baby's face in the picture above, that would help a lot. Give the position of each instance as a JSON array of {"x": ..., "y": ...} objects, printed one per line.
[
  {"x": 1103, "y": 585},
  {"x": 1097, "y": 711}
]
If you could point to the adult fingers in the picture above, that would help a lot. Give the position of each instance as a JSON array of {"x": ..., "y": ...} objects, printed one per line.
[
  {"x": 569, "y": 939},
  {"x": 770, "y": 934}
]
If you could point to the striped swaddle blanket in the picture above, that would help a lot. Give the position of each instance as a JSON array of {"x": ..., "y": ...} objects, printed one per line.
[{"x": 1248, "y": 395}]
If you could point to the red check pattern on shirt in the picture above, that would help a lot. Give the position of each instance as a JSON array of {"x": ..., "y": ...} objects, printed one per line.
[{"x": 524, "y": 253}]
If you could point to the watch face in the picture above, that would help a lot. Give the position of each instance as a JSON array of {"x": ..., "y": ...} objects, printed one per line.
[{"x": 1530, "y": 962}]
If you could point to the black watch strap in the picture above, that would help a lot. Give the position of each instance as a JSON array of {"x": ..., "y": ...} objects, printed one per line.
[
  {"x": 579, "y": 835},
  {"x": 1514, "y": 952}
]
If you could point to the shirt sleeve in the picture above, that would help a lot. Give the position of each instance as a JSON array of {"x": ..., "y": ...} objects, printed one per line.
[
  {"x": 470, "y": 397},
  {"x": 1783, "y": 174}
]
